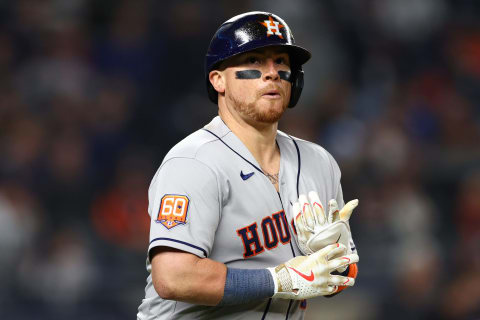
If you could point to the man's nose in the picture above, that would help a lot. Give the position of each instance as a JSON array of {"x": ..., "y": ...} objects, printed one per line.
[{"x": 271, "y": 71}]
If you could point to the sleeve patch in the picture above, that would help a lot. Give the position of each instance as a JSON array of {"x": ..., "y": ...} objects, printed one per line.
[{"x": 173, "y": 210}]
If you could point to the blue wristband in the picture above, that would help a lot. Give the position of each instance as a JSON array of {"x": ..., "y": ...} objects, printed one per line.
[{"x": 247, "y": 285}]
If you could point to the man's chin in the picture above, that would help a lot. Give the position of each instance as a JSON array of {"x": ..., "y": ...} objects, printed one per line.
[
  {"x": 269, "y": 117},
  {"x": 262, "y": 112},
  {"x": 269, "y": 114}
]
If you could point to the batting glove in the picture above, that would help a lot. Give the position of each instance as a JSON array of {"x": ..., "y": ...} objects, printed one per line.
[
  {"x": 315, "y": 230},
  {"x": 305, "y": 277}
]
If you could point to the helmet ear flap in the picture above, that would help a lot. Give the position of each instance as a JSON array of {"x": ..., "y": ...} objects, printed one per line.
[{"x": 297, "y": 87}]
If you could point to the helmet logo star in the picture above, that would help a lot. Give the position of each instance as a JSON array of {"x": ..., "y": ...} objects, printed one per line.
[{"x": 273, "y": 27}]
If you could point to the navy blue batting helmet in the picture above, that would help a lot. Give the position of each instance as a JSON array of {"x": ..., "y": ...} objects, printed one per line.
[{"x": 250, "y": 31}]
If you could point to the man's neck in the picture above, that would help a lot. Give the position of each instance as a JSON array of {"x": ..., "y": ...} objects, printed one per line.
[{"x": 258, "y": 138}]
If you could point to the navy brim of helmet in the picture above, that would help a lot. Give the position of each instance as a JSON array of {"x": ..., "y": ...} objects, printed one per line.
[{"x": 298, "y": 55}]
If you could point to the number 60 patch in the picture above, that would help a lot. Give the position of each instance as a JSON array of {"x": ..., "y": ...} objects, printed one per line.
[{"x": 173, "y": 210}]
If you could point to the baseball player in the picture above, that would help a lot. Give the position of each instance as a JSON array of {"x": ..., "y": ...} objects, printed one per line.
[{"x": 238, "y": 225}]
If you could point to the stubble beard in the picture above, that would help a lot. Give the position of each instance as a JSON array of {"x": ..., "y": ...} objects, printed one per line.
[{"x": 266, "y": 115}]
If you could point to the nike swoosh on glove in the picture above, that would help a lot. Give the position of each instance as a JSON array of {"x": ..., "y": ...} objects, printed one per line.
[{"x": 310, "y": 276}]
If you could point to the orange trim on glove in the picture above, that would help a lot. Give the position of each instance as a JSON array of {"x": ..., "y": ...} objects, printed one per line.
[{"x": 352, "y": 273}]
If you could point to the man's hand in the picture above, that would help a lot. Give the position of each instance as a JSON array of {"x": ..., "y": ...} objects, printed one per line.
[
  {"x": 315, "y": 230},
  {"x": 306, "y": 277}
]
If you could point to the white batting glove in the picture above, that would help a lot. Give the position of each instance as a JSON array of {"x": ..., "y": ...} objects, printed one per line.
[
  {"x": 315, "y": 230},
  {"x": 305, "y": 277}
]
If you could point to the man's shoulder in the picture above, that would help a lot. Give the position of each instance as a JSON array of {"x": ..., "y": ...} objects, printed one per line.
[
  {"x": 190, "y": 146},
  {"x": 199, "y": 142}
]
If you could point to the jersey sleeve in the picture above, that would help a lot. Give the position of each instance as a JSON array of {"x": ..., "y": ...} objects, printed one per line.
[
  {"x": 341, "y": 203},
  {"x": 339, "y": 196},
  {"x": 184, "y": 206},
  {"x": 336, "y": 183}
]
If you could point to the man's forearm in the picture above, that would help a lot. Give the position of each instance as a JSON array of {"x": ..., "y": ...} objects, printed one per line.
[{"x": 182, "y": 276}]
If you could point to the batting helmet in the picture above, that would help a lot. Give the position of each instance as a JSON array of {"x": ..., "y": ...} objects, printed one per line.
[{"x": 250, "y": 31}]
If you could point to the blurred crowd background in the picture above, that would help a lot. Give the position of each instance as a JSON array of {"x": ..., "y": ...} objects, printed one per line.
[{"x": 94, "y": 93}]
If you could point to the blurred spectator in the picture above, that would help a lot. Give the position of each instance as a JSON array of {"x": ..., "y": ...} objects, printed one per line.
[
  {"x": 24, "y": 140},
  {"x": 120, "y": 214},
  {"x": 65, "y": 179},
  {"x": 461, "y": 296},
  {"x": 21, "y": 220},
  {"x": 417, "y": 275},
  {"x": 127, "y": 49},
  {"x": 62, "y": 275},
  {"x": 467, "y": 215}
]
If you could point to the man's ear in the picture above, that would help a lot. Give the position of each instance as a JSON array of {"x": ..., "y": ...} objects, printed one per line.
[{"x": 217, "y": 79}]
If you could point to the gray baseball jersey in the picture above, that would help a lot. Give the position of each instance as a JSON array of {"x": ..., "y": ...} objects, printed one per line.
[{"x": 210, "y": 198}]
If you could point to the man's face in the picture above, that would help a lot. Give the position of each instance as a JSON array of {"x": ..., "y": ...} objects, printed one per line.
[{"x": 255, "y": 84}]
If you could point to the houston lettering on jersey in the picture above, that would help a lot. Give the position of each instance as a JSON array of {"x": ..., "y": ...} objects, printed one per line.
[{"x": 274, "y": 229}]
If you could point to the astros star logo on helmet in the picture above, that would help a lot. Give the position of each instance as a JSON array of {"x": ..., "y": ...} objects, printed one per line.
[{"x": 273, "y": 27}]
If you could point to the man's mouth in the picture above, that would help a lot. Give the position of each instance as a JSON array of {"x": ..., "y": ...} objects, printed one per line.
[{"x": 272, "y": 94}]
